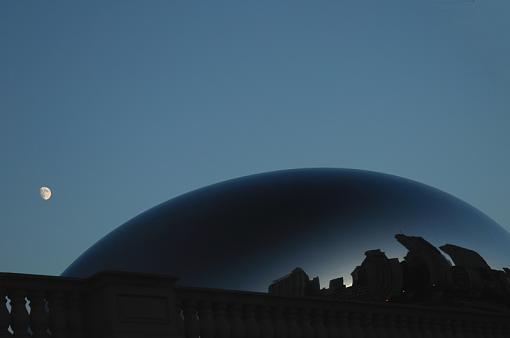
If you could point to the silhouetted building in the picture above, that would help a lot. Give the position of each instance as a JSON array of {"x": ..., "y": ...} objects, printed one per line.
[
  {"x": 296, "y": 284},
  {"x": 378, "y": 277},
  {"x": 424, "y": 276}
]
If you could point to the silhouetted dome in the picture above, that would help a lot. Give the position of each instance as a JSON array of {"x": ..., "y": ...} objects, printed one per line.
[{"x": 246, "y": 232}]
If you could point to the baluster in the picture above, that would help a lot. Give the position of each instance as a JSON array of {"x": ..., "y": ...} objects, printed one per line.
[
  {"x": 76, "y": 328},
  {"x": 222, "y": 325},
  {"x": 58, "y": 320},
  {"x": 456, "y": 329},
  {"x": 492, "y": 329},
  {"x": 238, "y": 327},
  {"x": 383, "y": 330},
  {"x": 266, "y": 324},
  {"x": 363, "y": 325},
  {"x": 304, "y": 320},
  {"x": 344, "y": 327},
  {"x": 5, "y": 316},
  {"x": 294, "y": 330},
  {"x": 422, "y": 327},
  {"x": 401, "y": 326},
  {"x": 252, "y": 327},
  {"x": 404, "y": 326},
  {"x": 478, "y": 329},
  {"x": 437, "y": 329},
  {"x": 391, "y": 323},
  {"x": 414, "y": 327},
  {"x": 280, "y": 326},
  {"x": 416, "y": 330},
  {"x": 379, "y": 329},
  {"x": 355, "y": 325},
  {"x": 448, "y": 327},
  {"x": 498, "y": 329},
  {"x": 378, "y": 322},
  {"x": 38, "y": 317},
  {"x": 367, "y": 325},
  {"x": 468, "y": 329},
  {"x": 484, "y": 329},
  {"x": 425, "y": 325},
  {"x": 429, "y": 328},
  {"x": 504, "y": 330},
  {"x": 476, "y": 326},
  {"x": 444, "y": 328},
  {"x": 206, "y": 320},
  {"x": 433, "y": 327},
  {"x": 19, "y": 316},
  {"x": 318, "y": 324},
  {"x": 191, "y": 323},
  {"x": 331, "y": 324},
  {"x": 179, "y": 317},
  {"x": 487, "y": 329}
]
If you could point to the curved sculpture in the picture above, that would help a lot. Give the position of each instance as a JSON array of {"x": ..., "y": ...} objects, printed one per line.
[
  {"x": 465, "y": 257},
  {"x": 241, "y": 233}
]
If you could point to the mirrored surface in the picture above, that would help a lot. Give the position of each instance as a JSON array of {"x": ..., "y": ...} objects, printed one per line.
[{"x": 246, "y": 232}]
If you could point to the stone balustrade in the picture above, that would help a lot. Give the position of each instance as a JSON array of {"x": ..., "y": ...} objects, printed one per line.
[
  {"x": 41, "y": 306},
  {"x": 129, "y": 305},
  {"x": 208, "y": 313}
]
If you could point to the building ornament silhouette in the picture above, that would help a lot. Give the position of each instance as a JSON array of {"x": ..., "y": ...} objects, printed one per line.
[{"x": 424, "y": 277}]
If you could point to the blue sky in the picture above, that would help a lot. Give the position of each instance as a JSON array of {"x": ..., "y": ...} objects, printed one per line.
[{"x": 120, "y": 105}]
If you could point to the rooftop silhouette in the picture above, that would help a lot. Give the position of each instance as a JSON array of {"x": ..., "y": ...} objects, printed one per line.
[{"x": 424, "y": 276}]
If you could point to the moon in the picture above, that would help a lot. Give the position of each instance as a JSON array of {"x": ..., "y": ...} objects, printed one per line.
[{"x": 45, "y": 193}]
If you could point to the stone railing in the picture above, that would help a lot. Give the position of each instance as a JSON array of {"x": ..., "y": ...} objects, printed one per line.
[
  {"x": 40, "y": 306},
  {"x": 219, "y": 313},
  {"x": 129, "y": 305},
  {"x": 110, "y": 304}
]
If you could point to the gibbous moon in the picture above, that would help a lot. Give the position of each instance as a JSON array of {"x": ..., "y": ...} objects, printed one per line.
[{"x": 45, "y": 193}]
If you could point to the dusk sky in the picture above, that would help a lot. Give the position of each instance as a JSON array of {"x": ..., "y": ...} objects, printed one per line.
[{"x": 121, "y": 105}]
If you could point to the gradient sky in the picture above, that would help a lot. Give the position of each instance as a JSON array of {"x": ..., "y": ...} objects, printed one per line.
[{"x": 120, "y": 105}]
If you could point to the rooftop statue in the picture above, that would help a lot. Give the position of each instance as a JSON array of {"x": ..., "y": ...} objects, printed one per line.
[{"x": 465, "y": 257}]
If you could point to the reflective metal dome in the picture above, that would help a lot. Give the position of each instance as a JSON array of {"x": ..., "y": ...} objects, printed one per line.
[{"x": 245, "y": 232}]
